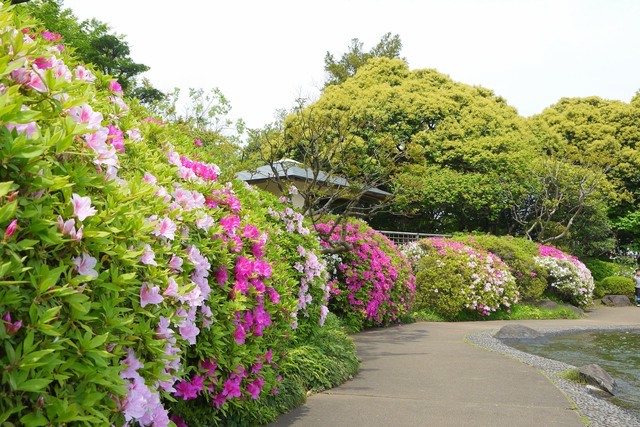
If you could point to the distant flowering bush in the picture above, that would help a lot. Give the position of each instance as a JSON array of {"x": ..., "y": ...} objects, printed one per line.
[
  {"x": 372, "y": 284},
  {"x": 568, "y": 277},
  {"x": 453, "y": 277}
]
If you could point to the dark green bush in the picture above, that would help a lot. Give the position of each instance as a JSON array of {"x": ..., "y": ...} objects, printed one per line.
[
  {"x": 615, "y": 285},
  {"x": 601, "y": 269}
]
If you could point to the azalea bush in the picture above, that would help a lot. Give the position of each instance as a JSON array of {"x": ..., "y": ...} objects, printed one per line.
[
  {"x": 518, "y": 254},
  {"x": 452, "y": 278},
  {"x": 371, "y": 284},
  {"x": 136, "y": 287},
  {"x": 569, "y": 278}
]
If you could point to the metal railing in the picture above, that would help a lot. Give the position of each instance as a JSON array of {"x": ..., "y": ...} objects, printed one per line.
[{"x": 404, "y": 237}]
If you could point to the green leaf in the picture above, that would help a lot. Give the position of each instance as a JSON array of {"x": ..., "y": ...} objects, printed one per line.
[
  {"x": 4, "y": 416},
  {"x": 5, "y": 187},
  {"x": 34, "y": 385},
  {"x": 8, "y": 211},
  {"x": 26, "y": 244},
  {"x": 49, "y": 315},
  {"x": 34, "y": 419}
]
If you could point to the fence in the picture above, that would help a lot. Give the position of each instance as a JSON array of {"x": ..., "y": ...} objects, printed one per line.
[{"x": 403, "y": 237}]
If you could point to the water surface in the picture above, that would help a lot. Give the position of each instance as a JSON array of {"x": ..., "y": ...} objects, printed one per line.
[{"x": 618, "y": 352}]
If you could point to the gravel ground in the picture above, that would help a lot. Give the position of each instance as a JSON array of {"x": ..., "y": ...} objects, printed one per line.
[{"x": 598, "y": 411}]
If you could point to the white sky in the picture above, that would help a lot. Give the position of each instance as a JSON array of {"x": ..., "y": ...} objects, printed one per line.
[{"x": 265, "y": 54}]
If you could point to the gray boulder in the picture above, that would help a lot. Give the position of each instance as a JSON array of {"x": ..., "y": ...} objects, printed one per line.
[
  {"x": 594, "y": 375},
  {"x": 577, "y": 310},
  {"x": 517, "y": 332},
  {"x": 616, "y": 301},
  {"x": 547, "y": 304}
]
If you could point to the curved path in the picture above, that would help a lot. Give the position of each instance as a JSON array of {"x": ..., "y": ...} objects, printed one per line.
[{"x": 425, "y": 374}]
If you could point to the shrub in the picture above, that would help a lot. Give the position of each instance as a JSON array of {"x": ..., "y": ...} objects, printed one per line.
[
  {"x": 601, "y": 269},
  {"x": 615, "y": 285},
  {"x": 569, "y": 278},
  {"x": 518, "y": 254},
  {"x": 372, "y": 284},
  {"x": 132, "y": 280},
  {"x": 452, "y": 277}
]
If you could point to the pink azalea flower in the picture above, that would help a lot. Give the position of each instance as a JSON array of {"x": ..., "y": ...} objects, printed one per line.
[
  {"x": 221, "y": 275},
  {"x": 82, "y": 207},
  {"x": 82, "y": 73},
  {"x": 49, "y": 36},
  {"x": 134, "y": 134},
  {"x": 232, "y": 388},
  {"x": 189, "y": 332},
  {"x": 11, "y": 327},
  {"x": 117, "y": 138},
  {"x": 114, "y": 86},
  {"x": 149, "y": 178},
  {"x": 197, "y": 142},
  {"x": 240, "y": 334},
  {"x": 85, "y": 114},
  {"x": 150, "y": 295},
  {"x": 165, "y": 228},
  {"x": 28, "y": 129},
  {"x": 253, "y": 390},
  {"x": 133, "y": 364},
  {"x": 149, "y": 257},
  {"x": 85, "y": 264},
  {"x": 176, "y": 263},
  {"x": 11, "y": 228}
]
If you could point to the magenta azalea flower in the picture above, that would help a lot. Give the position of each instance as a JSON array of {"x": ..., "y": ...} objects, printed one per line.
[
  {"x": 82, "y": 207},
  {"x": 11, "y": 228}
]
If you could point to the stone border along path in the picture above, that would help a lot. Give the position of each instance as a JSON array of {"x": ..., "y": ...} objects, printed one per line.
[{"x": 441, "y": 374}]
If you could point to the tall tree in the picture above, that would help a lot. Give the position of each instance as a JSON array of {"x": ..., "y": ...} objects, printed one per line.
[{"x": 355, "y": 57}]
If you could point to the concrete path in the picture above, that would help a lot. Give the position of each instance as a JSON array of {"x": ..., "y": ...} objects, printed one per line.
[{"x": 424, "y": 374}]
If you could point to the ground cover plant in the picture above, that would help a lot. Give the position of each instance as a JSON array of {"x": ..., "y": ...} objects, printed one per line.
[{"x": 132, "y": 281}]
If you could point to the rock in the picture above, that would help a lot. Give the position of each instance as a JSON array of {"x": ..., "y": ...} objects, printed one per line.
[
  {"x": 594, "y": 374},
  {"x": 517, "y": 332},
  {"x": 575, "y": 309},
  {"x": 616, "y": 300},
  {"x": 547, "y": 303}
]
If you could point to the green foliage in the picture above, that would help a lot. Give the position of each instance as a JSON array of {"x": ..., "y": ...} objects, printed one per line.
[
  {"x": 572, "y": 375},
  {"x": 518, "y": 254},
  {"x": 615, "y": 285},
  {"x": 354, "y": 58},
  {"x": 601, "y": 269}
]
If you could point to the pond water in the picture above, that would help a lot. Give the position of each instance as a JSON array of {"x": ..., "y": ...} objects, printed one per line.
[{"x": 618, "y": 352}]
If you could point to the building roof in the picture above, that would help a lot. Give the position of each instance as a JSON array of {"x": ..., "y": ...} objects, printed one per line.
[{"x": 291, "y": 169}]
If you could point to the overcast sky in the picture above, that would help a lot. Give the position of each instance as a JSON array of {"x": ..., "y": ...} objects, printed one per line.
[{"x": 265, "y": 54}]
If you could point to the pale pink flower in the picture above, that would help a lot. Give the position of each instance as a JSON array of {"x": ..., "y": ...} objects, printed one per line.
[
  {"x": 77, "y": 235},
  {"x": 28, "y": 129},
  {"x": 149, "y": 257},
  {"x": 149, "y": 178},
  {"x": 176, "y": 263},
  {"x": 85, "y": 114},
  {"x": 82, "y": 73},
  {"x": 165, "y": 228},
  {"x": 97, "y": 140},
  {"x": 172, "y": 289},
  {"x": 85, "y": 264},
  {"x": 82, "y": 207},
  {"x": 205, "y": 222},
  {"x": 134, "y": 134},
  {"x": 150, "y": 295}
]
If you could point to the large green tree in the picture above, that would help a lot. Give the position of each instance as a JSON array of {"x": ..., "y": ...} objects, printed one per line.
[{"x": 601, "y": 135}]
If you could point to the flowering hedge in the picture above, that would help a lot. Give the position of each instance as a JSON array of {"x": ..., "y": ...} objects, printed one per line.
[
  {"x": 452, "y": 277},
  {"x": 372, "y": 283},
  {"x": 518, "y": 254},
  {"x": 568, "y": 277},
  {"x": 130, "y": 276}
]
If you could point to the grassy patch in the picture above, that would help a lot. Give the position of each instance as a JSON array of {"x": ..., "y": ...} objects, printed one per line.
[
  {"x": 572, "y": 375},
  {"x": 518, "y": 312}
]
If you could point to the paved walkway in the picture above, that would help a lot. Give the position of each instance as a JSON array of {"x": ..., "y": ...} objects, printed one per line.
[{"x": 424, "y": 374}]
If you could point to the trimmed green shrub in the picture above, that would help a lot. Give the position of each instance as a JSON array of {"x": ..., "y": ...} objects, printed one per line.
[
  {"x": 601, "y": 269},
  {"x": 615, "y": 285}
]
